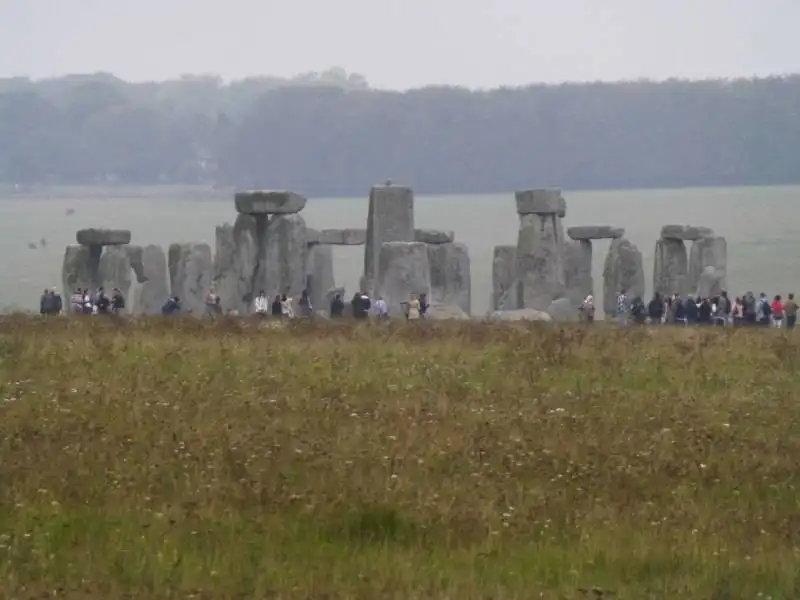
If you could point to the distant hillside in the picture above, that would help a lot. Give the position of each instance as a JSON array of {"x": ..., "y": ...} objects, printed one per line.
[{"x": 330, "y": 134}]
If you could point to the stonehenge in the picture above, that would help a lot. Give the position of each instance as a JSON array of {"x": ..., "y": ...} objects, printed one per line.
[{"x": 545, "y": 275}]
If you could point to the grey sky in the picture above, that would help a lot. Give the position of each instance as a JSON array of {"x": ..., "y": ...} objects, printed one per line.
[{"x": 403, "y": 43}]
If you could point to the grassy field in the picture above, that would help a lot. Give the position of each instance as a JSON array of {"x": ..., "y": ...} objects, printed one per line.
[{"x": 182, "y": 460}]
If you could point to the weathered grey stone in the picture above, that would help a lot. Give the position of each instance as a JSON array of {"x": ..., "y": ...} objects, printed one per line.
[
  {"x": 103, "y": 237},
  {"x": 450, "y": 275},
  {"x": 438, "y": 311},
  {"x": 522, "y": 314},
  {"x": 319, "y": 276},
  {"x": 687, "y": 233},
  {"x": 135, "y": 257},
  {"x": 269, "y": 202},
  {"x": 155, "y": 289},
  {"x": 540, "y": 261},
  {"x": 510, "y": 299},
  {"x": 312, "y": 236},
  {"x": 190, "y": 275},
  {"x": 403, "y": 269},
  {"x": 343, "y": 237},
  {"x": 235, "y": 263},
  {"x": 115, "y": 270},
  {"x": 504, "y": 265},
  {"x": 578, "y": 278},
  {"x": 433, "y": 236},
  {"x": 670, "y": 267},
  {"x": 710, "y": 283},
  {"x": 595, "y": 232},
  {"x": 541, "y": 202},
  {"x": 390, "y": 218},
  {"x": 562, "y": 310},
  {"x": 282, "y": 265},
  {"x": 79, "y": 269},
  {"x": 623, "y": 271},
  {"x": 706, "y": 252}
]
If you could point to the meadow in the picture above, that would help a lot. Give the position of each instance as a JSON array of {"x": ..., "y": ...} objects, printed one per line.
[{"x": 180, "y": 459}]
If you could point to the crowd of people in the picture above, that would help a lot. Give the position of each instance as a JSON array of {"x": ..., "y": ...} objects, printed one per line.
[
  {"x": 82, "y": 302},
  {"x": 716, "y": 310}
]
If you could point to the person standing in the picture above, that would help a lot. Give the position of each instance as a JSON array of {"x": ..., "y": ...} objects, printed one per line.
[{"x": 790, "y": 312}]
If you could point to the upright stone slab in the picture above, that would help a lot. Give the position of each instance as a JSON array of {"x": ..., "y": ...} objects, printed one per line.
[
  {"x": 319, "y": 276},
  {"x": 403, "y": 269},
  {"x": 282, "y": 264},
  {"x": 135, "y": 258},
  {"x": 390, "y": 218},
  {"x": 707, "y": 252},
  {"x": 80, "y": 269},
  {"x": 540, "y": 260},
  {"x": 711, "y": 283},
  {"x": 235, "y": 261},
  {"x": 450, "y": 275},
  {"x": 155, "y": 287},
  {"x": 623, "y": 272},
  {"x": 578, "y": 270},
  {"x": 670, "y": 267},
  {"x": 190, "y": 274},
  {"x": 503, "y": 272},
  {"x": 115, "y": 270}
]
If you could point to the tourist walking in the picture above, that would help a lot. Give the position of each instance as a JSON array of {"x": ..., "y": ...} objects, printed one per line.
[
  {"x": 622, "y": 308},
  {"x": 261, "y": 304},
  {"x": 790, "y": 312},
  {"x": 413, "y": 310},
  {"x": 381, "y": 310},
  {"x": 117, "y": 301},
  {"x": 587, "y": 309},
  {"x": 337, "y": 307},
  {"x": 777, "y": 312}
]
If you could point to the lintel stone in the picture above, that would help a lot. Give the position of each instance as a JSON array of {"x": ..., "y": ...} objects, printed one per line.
[
  {"x": 269, "y": 202},
  {"x": 541, "y": 202},
  {"x": 595, "y": 232},
  {"x": 103, "y": 237}
]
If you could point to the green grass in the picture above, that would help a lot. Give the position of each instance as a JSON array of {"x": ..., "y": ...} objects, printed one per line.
[{"x": 153, "y": 459}]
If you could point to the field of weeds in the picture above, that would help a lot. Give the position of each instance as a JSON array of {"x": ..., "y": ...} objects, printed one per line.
[{"x": 153, "y": 459}]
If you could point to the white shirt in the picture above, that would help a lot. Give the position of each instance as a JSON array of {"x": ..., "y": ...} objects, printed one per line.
[
  {"x": 261, "y": 304},
  {"x": 380, "y": 307}
]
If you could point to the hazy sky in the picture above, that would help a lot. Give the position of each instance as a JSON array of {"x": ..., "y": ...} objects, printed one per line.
[{"x": 403, "y": 43}]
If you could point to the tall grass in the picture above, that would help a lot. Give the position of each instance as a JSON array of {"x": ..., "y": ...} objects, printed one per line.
[{"x": 158, "y": 459}]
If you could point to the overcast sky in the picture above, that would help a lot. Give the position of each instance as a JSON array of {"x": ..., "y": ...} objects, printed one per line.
[{"x": 403, "y": 43}]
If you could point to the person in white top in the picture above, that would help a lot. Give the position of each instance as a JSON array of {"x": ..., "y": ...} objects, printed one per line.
[
  {"x": 381, "y": 310},
  {"x": 261, "y": 304}
]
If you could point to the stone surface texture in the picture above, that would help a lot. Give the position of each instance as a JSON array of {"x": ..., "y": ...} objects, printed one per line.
[
  {"x": 79, "y": 270},
  {"x": 403, "y": 269},
  {"x": 103, "y": 237},
  {"x": 450, "y": 275},
  {"x": 540, "y": 202},
  {"x": 343, "y": 237},
  {"x": 670, "y": 267},
  {"x": 707, "y": 252},
  {"x": 190, "y": 273},
  {"x": 686, "y": 233},
  {"x": 504, "y": 265},
  {"x": 595, "y": 232},
  {"x": 269, "y": 202},
  {"x": 562, "y": 310},
  {"x": 623, "y": 271},
  {"x": 115, "y": 271},
  {"x": 434, "y": 236},
  {"x": 390, "y": 218},
  {"x": 710, "y": 283},
  {"x": 282, "y": 264},
  {"x": 540, "y": 261},
  {"x": 320, "y": 276},
  {"x": 155, "y": 289},
  {"x": 235, "y": 263},
  {"x": 578, "y": 277},
  {"x": 522, "y": 314}
]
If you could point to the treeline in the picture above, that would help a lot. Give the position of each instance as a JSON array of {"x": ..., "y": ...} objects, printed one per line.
[{"x": 330, "y": 134}]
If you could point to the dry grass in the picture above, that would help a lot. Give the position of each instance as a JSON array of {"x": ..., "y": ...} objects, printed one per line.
[{"x": 174, "y": 459}]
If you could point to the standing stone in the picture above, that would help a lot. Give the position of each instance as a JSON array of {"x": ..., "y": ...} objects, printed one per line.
[
  {"x": 578, "y": 270},
  {"x": 237, "y": 251},
  {"x": 403, "y": 269},
  {"x": 319, "y": 276},
  {"x": 540, "y": 260},
  {"x": 711, "y": 283},
  {"x": 190, "y": 267},
  {"x": 623, "y": 272},
  {"x": 115, "y": 270},
  {"x": 708, "y": 252},
  {"x": 155, "y": 288},
  {"x": 135, "y": 256},
  {"x": 503, "y": 272},
  {"x": 282, "y": 262},
  {"x": 79, "y": 270},
  {"x": 450, "y": 275},
  {"x": 670, "y": 267},
  {"x": 390, "y": 218}
]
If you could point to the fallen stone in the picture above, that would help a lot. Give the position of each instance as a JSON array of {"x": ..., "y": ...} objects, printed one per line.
[
  {"x": 282, "y": 264},
  {"x": 103, "y": 237},
  {"x": 562, "y": 310},
  {"x": 438, "y": 311},
  {"x": 450, "y": 275},
  {"x": 541, "y": 202},
  {"x": 343, "y": 237},
  {"x": 190, "y": 274},
  {"x": 269, "y": 202},
  {"x": 390, "y": 218},
  {"x": 578, "y": 278},
  {"x": 540, "y": 261},
  {"x": 155, "y": 289},
  {"x": 706, "y": 252},
  {"x": 235, "y": 263},
  {"x": 711, "y": 282},
  {"x": 319, "y": 276},
  {"x": 522, "y": 314},
  {"x": 670, "y": 268},
  {"x": 433, "y": 236},
  {"x": 686, "y": 233},
  {"x": 595, "y": 232},
  {"x": 623, "y": 271},
  {"x": 115, "y": 270},
  {"x": 79, "y": 270},
  {"x": 503, "y": 272},
  {"x": 403, "y": 269}
]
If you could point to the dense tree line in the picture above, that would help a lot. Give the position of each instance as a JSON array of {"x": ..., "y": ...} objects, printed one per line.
[{"x": 330, "y": 134}]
